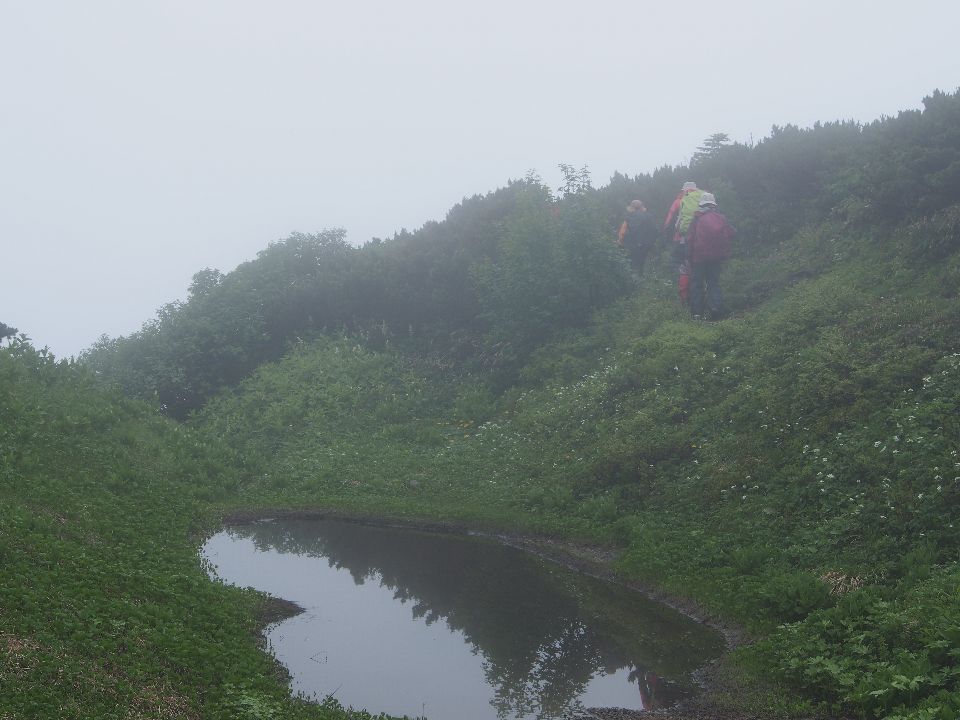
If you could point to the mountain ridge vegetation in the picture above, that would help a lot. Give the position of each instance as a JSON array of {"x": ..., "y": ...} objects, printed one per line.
[{"x": 792, "y": 468}]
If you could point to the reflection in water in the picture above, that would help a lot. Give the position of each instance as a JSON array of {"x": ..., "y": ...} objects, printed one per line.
[{"x": 545, "y": 639}]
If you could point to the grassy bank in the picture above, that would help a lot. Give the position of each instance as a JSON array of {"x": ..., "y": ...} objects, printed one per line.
[
  {"x": 792, "y": 469},
  {"x": 105, "y": 611}
]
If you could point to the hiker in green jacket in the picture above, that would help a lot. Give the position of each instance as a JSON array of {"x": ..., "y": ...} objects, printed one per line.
[
  {"x": 688, "y": 208},
  {"x": 684, "y": 207}
]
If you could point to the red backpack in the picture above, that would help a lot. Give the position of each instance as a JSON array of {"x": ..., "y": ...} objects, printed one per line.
[{"x": 709, "y": 237}]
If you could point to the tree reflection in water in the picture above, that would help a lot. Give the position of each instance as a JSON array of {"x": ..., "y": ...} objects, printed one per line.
[{"x": 543, "y": 632}]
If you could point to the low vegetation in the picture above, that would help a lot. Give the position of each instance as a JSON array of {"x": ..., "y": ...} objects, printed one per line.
[
  {"x": 105, "y": 611},
  {"x": 803, "y": 510},
  {"x": 793, "y": 468}
]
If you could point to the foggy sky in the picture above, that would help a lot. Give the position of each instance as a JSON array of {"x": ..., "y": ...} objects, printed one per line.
[{"x": 143, "y": 141}]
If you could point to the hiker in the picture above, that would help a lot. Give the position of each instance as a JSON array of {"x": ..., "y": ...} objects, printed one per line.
[
  {"x": 708, "y": 245},
  {"x": 637, "y": 234},
  {"x": 679, "y": 216}
]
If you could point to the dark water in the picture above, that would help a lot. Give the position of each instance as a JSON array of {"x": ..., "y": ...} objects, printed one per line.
[{"x": 454, "y": 627}]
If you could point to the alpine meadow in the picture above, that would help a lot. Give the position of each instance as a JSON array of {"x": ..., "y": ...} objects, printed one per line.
[{"x": 789, "y": 472}]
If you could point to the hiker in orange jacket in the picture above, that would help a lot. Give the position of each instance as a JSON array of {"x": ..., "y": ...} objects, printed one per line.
[{"x": 637, "y": 234}]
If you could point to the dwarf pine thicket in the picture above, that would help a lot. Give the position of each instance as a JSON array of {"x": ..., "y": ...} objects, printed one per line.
[{"x": 793, "y": 468}]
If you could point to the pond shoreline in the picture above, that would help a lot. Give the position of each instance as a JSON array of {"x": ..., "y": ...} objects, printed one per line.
[{"x": 589, "y": 559}]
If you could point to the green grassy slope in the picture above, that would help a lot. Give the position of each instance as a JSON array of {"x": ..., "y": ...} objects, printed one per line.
[
  {"x": 796, "y": 463},
  {"x": 105, "y": 611},
  {"x": 793, "y": 468}
]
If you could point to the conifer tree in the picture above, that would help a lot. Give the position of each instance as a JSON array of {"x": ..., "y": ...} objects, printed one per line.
[{"x": 711, "y": 146}]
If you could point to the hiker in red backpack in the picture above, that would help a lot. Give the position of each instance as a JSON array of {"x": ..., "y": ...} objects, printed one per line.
[{"x": 708, "y": 245}]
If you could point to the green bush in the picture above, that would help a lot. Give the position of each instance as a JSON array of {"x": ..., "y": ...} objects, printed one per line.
[
  {"x": 794, "y": 596},
  {"x": 881, "y": 654}
]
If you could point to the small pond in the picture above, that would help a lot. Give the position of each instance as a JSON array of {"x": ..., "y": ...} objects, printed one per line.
[{"x": 449, "y": 626}]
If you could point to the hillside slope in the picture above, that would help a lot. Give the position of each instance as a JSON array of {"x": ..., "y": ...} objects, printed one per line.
[
  {"x": 792, "y": 468},
  {"x": 105, "y": 611},
  {"x": 796, "y": 463}
]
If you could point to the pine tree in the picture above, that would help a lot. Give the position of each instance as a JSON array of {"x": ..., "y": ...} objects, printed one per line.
[{"x": 711, "y": 146}]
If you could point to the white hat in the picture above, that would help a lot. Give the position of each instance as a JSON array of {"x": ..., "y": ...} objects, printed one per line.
[
  {"x": 689, "y": 185},
  {"x": 707, "y": 199}
]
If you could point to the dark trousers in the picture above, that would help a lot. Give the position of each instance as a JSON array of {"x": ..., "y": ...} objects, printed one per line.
[
  {"x": 705, "y": 288},
  {"x": 678, "y": 253},
  {"x": 638, "y": 257}
]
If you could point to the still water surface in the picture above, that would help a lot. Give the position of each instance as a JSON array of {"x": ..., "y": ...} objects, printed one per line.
[{"x": 447, "y": 626}]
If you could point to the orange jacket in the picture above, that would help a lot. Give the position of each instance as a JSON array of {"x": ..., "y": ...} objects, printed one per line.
[{"x": 674, "y": 209}]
